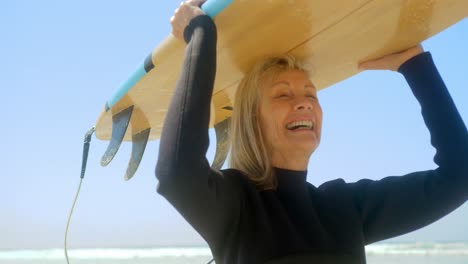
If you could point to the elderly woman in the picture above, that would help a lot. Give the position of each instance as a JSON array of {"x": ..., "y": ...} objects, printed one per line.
[{"x": 262, "y": 209}]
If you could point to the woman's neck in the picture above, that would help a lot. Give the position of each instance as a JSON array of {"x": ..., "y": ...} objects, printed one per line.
[{"x": 292, "y": 161}]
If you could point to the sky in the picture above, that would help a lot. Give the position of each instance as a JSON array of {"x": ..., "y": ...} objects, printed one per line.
[{"x": 63, "y": 59}]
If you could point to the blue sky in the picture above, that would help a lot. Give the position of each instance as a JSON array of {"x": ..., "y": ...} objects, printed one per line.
[{"x": 65, "y": 59}]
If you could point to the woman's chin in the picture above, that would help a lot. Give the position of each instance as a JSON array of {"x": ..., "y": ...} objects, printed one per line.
[
  {"x": 308, "y": 144},
  {"x": 303, "y": 135}
]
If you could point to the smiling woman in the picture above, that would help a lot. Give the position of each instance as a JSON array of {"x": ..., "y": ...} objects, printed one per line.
[
  {"x": 262, "y": 209},
  {"x": 291, "y": 118},
  {"x": 274, "y": 94}
]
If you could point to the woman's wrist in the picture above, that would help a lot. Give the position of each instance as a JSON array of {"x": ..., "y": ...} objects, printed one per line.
[{"x": 203, "y": 21}]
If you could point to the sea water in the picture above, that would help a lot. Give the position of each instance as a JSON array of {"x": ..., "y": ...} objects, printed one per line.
[{"x": 401, "y": 253}]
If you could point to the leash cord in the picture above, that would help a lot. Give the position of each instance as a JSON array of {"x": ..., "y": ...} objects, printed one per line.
[{"x": 87, "y": 140}]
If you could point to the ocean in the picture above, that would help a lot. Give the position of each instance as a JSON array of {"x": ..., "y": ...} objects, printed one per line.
[{"x": 401, "y": 253}]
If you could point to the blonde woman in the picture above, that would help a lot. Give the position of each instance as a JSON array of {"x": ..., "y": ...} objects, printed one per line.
[{"x": 262, "y": 209}]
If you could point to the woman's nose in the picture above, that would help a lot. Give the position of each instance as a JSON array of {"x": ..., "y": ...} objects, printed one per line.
[{"x": 303, "y": 103}]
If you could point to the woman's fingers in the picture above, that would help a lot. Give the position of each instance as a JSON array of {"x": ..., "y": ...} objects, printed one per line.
[
  {"x": 392, "y": 61},
  {"x": 183, "y": 14},
  {"x": 198, "y": 3},
  {"x": 382, "y": 63}
]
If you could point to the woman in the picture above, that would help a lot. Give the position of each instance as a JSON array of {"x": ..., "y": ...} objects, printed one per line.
[{"x": 262, "y": 210}]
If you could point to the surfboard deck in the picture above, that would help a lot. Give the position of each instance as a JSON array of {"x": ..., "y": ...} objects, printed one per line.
[{"x": 333, "y": 36}]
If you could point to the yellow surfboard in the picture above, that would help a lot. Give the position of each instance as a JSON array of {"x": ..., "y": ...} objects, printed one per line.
[{"x": 333, "y": 35}]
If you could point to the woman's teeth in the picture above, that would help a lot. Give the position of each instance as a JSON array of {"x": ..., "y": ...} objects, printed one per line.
[{"x": 298, "y": 124}]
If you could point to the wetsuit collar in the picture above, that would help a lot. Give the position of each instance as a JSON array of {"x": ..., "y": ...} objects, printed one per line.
[{"x": 290, "y": 180}]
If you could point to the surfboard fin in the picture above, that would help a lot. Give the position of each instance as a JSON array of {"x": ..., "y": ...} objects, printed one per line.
[
  {"x": 120, "y": 123},
  {"x": 222, "y": 144},
  {"x": 139, "y": 141}
]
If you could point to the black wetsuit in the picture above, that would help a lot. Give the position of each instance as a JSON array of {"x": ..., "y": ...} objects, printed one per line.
[{"x": 299, "y": 222}]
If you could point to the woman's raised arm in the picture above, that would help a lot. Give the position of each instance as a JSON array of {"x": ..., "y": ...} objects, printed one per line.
[
  {"x": 206, "y": 198},
  {"x": 397, "y": 205}
]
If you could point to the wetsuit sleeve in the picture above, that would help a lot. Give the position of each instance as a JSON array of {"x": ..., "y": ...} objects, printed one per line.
[
  {"x": 395, "y": 205},
  {"x": 205, "y": 197}
]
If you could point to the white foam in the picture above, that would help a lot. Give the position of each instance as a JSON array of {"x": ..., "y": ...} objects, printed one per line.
[
  {"x": 460, "y": 249},
  {"x": 106, "y": 253},
  {"x": 454, "y": 249}
]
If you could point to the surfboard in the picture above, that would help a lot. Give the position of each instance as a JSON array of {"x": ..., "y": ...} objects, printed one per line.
[{"x": 332, "y": 35}]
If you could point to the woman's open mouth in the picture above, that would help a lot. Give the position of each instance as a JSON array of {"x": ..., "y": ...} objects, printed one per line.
[{"x": 306, "y": 125}]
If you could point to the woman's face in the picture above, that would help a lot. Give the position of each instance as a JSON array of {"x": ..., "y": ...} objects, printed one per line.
[{"x": 290, "y": 114}]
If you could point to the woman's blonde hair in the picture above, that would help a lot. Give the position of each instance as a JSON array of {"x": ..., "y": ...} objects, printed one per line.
[{"x": 249, "y": 149}]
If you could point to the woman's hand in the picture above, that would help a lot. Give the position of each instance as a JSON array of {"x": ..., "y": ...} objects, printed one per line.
[
  {"x": 183, "y": 14},
  {"x": 392, "y": 61}
]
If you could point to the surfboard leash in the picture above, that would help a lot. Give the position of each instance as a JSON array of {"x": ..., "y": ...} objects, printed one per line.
[
  {"x": 87, "y": 140},
  {"x": 86, "y": 143}
]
